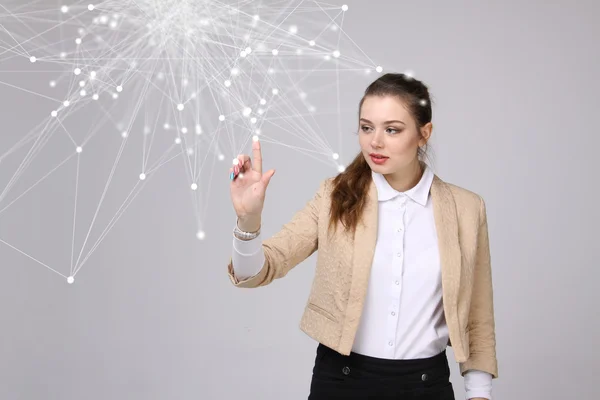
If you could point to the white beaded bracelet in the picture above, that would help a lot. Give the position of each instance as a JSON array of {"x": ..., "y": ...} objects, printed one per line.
[{"x": 242, "y": 235}]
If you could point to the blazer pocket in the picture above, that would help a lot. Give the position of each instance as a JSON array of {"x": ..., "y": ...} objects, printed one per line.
[{"x": 321, "y": 311}]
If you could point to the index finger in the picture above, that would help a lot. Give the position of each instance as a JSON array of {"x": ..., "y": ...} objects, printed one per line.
[{"x": 256, "y": 155}]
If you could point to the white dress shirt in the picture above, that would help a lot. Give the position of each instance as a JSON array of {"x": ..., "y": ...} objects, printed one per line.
[{"x": 403, "y": 314}]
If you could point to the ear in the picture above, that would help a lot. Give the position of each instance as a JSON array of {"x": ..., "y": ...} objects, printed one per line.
[{"x": 425, "y": 133}]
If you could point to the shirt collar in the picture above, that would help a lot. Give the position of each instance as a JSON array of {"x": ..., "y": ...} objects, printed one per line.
[{"x": 419, "y": 193}]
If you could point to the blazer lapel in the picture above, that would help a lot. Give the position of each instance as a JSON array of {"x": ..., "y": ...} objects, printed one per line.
[{"x": 446, "y": 222}]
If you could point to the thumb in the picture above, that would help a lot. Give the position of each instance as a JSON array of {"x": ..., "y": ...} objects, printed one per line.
[{"x": 266, "y": 178}]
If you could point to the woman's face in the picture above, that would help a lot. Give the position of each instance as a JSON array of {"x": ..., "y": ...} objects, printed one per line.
[{"x": 387, "y": 128}]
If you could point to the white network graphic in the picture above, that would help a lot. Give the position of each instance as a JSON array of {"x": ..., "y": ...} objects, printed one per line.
[{"x": 176, "y": 79}]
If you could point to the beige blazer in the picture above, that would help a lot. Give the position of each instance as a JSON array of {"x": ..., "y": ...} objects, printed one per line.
[{"x": 335, "y": 303}]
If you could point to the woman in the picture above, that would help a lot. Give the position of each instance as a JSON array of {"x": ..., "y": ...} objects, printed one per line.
[{"x": 403, "y": 266}]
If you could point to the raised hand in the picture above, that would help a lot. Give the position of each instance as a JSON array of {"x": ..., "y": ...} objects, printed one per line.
[{"x": 249, "y": 184}]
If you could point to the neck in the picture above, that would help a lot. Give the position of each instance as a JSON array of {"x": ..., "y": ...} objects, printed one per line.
[{"x": 407, "y": 178}]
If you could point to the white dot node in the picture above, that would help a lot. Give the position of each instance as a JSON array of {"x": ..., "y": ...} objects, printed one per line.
[
  {"x": 178, "y": 140},
  {"x": 166, "y": 126},
  {"x": 119, "y": 88},
  {"x": 235, "y": 71},
  {"x": 79, "y": 149},
  {"x": 275, "y": 52},
  {"x": 248, "y": 50},
  {"x": 345, "y": 7},
  {"x": 255, "y": 138},
  {"x": 327, "y": 57},
  {"x": 115, "y": 96},
  {"x": 253, "y": 120},
  {"x": 180, "y": 107},
  {"x": 341, "y": 168},
  {"x": 243, "y": 54},
  {"x": 95, "y": 96},
  {"x": 275, "y": 91},
  {"x": 54, "y": 113},
  {"x": 299, "y": 51},
  {"x": 194, "y": 186},
  {"x": 66, "y": 103},
  {"x": 81, "y": 83},
  {"x": 423, "y": 102},
  {"x": 227, "y": 83},
  {"x": 261, "y": 111},
  {"x": 221, "y": 118},
  {"x": 93, "y": 74},
  {"x": 336, "y": 53},
  {"x": 271, "y": 71},
  {"x": 200, "y": 235},
  {"x": 335, "y": 156},
  {"x": 263, "y": 102},
  {"x": 78, "y": 40},
  {"x": 293, "y": 29},
  {"x": 142, "y": 176},
  {"x": 247, "y": 111},
  {"x": 256, "y": 17},
  {"x": 221, "y": 157},
  {"x": 32, "y": 59},
  {"x": 91, "y": 7},
  {"x": 190, "y": 151},
  {"x": 62, "y": 54},
  {"x": 64, "y": 9},
  {"x": 198, "y": 129},
  {"x": 52, "y": 83},
  {"x": 77, "y": 71},
  {"x": 312, "y": 109},
  {"x": 184, "y": 130},
  {"x": 236, "y": 161},
  {"x": 334, "y": 28},
  {"x": 311, "y": 43},
  {"x": 82, "y": 93},
  {"x": 70, "y": 280},
  {"x": 124, "y": 134},
  {"x": 378, "y": 69},
  {"x": 241, "y": 175},
  {"x": 257, "y": 131}
]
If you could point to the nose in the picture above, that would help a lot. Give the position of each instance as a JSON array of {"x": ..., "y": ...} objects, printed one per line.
[{"x": 376, "y": 141}]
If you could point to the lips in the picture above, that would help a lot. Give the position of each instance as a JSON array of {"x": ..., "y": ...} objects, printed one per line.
[{"x": 378, "y": 156}]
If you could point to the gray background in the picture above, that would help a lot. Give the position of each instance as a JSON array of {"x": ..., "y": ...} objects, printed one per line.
[{"x": 154, "y": 316}]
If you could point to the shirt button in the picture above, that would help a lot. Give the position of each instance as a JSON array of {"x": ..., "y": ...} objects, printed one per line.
[
  {"x": 424, "y": 377},
  {"x": 393, "y": 313},
  {"x": 399, "y": 254},
  {"x": 397, "y": 282},
  {"x": 346, "y": 370},
  {"x": 390, "y": 343},
  {"x": 399, "y": 230}
]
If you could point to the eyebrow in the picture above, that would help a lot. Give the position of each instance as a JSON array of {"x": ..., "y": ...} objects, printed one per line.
[{"x": 386, "y": 122}]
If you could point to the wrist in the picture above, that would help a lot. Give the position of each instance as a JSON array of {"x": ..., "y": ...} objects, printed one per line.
[{"x": 249, "y": 224}]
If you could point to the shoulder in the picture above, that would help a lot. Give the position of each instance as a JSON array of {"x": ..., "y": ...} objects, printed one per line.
[{"x": 467, "y": 201}]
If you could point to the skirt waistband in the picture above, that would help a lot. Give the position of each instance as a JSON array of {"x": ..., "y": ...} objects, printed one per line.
[{"x": 386, "y": 366}]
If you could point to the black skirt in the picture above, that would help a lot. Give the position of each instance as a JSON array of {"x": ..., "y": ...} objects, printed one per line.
[{"x": 336, "y": 376}]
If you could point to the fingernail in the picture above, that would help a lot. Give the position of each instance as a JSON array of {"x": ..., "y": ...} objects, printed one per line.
[{"x": 231, "y": 176}]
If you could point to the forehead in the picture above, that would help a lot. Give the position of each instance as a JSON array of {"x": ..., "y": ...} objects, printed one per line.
[{"x": 384, "y": 108}]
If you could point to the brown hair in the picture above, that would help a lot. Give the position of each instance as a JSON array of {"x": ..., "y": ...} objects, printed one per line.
[{"x": 349, "y": 193}]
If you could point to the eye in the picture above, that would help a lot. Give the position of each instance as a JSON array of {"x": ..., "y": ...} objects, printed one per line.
[
  {"x": 364, "y": 128},
  {"x": 394, "y": 130}
]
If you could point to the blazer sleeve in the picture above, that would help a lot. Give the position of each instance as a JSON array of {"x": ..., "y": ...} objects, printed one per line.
[
  {"x": 481, "y": 327},
  {"x": 295, "y": 241}
]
